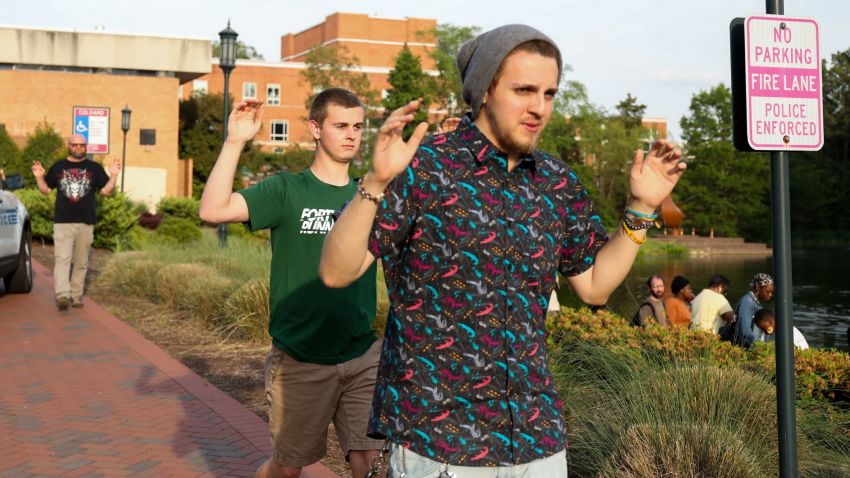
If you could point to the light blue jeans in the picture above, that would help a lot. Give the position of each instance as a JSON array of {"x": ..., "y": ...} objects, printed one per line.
[{"x": 404, "y": 463}]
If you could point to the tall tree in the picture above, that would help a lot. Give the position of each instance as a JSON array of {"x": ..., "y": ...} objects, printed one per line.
[
  {"x": 630, "y": 112},
  {"x": 407, "y": 83},
  {"x": 200, "y": 135},
  {"x": 10, "y": 155},
  {"x": 724, "y": 189},
  {"x": 820, "y": 182},
  {"x": 836, "y": 99},
  {"x": 243, "y": 51},
  {"x": 447, "y": 87},
  {"x": 334, "y": 65},
  {"x": 44, "y": 145}
]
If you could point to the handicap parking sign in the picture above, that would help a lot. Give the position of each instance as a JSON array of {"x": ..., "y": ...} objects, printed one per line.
[{"x": 93, "y": 124}]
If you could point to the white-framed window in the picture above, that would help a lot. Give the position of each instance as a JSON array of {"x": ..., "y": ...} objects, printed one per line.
[
  {"x": 249, "y": 90},
  {"x": 273, "y": 94},
  {"x": 199, "y": 87},
  {"x": 279, "y": 130}
]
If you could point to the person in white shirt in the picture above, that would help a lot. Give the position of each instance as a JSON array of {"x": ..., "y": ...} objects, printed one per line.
[{"x": 766, "y": 322}]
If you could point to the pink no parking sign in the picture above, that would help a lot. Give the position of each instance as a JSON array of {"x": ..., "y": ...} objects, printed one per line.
[{"x": 784, "y": 97}]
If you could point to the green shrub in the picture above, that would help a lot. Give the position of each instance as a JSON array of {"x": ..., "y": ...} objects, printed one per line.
[
  {"x": 822, "y": 374},
  {"x": 44, "y": 145},
  {"x": 132, "y": 273},
  {"x": 138, "y": 207},
  {"x": 180, "y": 207},
  {"x": 10, "y": 155},
  {"x": 40, "y": 208},
  {"x": 177, "y": 230},
  {"x": 632, "y": 415},
  {"x": 263, "y": 236},
  {"x": 681, "y": 451},
  {"x": 193, "y": 288},
  {"x": 115, "y": 218},
  {"x": 247, "y": 311}
]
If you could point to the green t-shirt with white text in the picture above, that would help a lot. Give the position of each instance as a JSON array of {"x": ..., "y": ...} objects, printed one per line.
[{"x": 309, "y": 321}]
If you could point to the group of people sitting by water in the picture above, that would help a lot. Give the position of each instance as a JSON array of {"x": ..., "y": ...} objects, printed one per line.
[{"x": 710, "y": 310}]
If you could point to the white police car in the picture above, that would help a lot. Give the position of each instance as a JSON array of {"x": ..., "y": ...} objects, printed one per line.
[{"x": 15, "y": 238}]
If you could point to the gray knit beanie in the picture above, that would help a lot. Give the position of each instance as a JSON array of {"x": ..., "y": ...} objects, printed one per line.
[{"x": 480, "y": 58}]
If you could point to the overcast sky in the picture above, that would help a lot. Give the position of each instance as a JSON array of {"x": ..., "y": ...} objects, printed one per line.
[{"x": 660, "y": 51}]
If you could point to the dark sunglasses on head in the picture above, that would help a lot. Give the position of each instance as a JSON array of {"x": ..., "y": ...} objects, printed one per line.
[{"x": 76, "y": 144}]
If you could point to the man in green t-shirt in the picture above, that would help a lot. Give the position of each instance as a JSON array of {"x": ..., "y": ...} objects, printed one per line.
[{"x": 324, "y": 355}]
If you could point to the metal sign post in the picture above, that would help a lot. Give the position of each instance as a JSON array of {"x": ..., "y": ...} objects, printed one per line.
[{"x": 777, "y": 106}]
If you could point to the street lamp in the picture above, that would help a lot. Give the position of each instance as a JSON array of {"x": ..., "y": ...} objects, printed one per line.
[
  {"x": 125, "y": 126},
  {"x": 227, "y": 62}
]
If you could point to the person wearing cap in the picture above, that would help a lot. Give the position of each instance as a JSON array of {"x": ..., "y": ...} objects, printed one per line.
[
  {"x": 761, "y": 290},
  {"x": 679, "y": 304},
  {"x": 472, "y": 227}
]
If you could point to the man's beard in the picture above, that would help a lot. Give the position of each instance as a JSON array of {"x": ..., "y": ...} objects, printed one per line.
[
  {"x": 506, "y": 141},
  {"x": 78, "y": 154}
]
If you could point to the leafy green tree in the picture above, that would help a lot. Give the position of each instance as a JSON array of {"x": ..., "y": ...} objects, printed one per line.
[
  {"x": 447, "y": 88},
  {"x": 836, "y": 99},
  {"x": 630, "y": 112},
  {"x": 820, "y": 181},
  {"x": 243, "y": 51},
  {"x": 44, "y": 145},
  {"x": 10, "y": 154},
  {"x": 407, "y": 83},
  {"x": 723, "y": 189},
  {"x": 334, "y": 65},
  {"x": 201, "y": 130}
]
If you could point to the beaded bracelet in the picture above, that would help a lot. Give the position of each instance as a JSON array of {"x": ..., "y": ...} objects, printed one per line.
[
  {"x": 651, "y": 217},
  {"x": 365, "y": 194},
  {"x": 632, "y": 235},
  {"x": 637, "y": 225}
]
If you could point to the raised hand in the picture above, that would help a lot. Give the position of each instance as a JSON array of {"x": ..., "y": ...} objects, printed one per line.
[
  {"x": 392, "y": 154},
  {"x": 114, "y": 167},
  {"x": 37, "y": 169},
  {"x": 653, "y": 177},
  {"x": 245, "y": 121}
]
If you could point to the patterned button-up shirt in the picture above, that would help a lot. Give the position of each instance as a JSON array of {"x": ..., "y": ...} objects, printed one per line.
[{"x": 470, "y": 253}]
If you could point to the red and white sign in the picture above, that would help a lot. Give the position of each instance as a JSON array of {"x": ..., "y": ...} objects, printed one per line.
[{"x": 784, "y": 94}]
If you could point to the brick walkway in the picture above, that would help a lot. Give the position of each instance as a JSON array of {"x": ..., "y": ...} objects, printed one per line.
[{"x": 83, "y": 395}]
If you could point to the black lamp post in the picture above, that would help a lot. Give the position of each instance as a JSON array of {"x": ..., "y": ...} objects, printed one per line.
[
  {"x": 226, "y": 61},
  {"x": 125, "y": 126}
]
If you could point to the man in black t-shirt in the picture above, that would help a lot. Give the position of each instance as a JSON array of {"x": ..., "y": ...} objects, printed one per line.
[{"x": 75, "y": 214}]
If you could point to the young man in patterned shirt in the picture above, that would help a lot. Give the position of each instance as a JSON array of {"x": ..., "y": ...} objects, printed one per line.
[{"x": 472, "y": 227}]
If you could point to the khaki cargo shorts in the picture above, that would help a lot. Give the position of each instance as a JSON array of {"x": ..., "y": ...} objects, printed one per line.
[{"x": 304, "y": 398}]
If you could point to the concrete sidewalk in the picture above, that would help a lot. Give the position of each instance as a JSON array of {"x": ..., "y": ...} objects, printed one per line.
[{"x": 84, "y": 395}]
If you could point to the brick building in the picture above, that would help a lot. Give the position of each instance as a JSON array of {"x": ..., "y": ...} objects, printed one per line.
[
  {"x": 374, "y": 41},
  {"x": 44, "y": 74}
]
